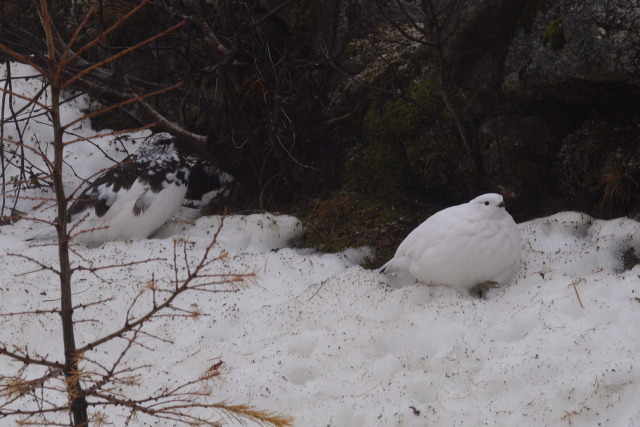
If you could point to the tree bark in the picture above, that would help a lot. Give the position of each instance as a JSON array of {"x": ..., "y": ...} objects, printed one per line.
[{"x": 71, "y": 370}]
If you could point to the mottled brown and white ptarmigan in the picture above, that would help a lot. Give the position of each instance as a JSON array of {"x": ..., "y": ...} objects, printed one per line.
[{"x": 132, "y": 199}]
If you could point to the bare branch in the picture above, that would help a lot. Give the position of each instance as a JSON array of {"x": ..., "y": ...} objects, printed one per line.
[
  {"x": 32, "y": 100},
  {"x": 112, "y": 266},
  {"x": 119, "y": 54},
  {"x": 131, "y": 100},
  {"x": 101, "y": 36},
  {"x": 21, "y": 58},
  {"x": 29, "y": 360},
  {"x": 169, "y": 125},
  {"x": 34, "y": 312},
  {"x": 35, "y": 261},
  {"x": 112, "y": 133}
]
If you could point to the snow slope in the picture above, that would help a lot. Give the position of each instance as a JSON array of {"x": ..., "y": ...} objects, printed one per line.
[{"x": 321, "y": 339}]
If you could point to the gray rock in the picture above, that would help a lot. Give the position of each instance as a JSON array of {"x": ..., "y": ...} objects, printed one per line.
[{"x": 577, "y": 51}]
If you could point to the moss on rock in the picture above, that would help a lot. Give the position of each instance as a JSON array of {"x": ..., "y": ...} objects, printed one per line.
[
  {"x": 402, "y": 118},
  {"x": 553, "y": 35},
  {"x": 394, "y": 148}
]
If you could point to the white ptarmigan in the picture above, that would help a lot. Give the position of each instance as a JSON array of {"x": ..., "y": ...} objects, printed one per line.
[
  {"x": 132, "y": 199},
  {"x": 465, "y": 246}
]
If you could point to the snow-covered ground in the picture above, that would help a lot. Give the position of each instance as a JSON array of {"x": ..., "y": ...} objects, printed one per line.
[{"x": 318, "y": 337}]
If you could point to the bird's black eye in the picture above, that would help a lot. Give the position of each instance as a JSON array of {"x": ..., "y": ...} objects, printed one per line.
[{"x": 486, "y": 203}]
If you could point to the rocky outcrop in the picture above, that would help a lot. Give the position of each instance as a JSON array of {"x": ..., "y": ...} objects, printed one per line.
[
  {"x": 551, "y": 95},
  {"x": 577, "y": 51},
  {"x": 578, "y": 67}
]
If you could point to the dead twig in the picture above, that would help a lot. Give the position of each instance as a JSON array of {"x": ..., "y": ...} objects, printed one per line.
[{"x": 575, "y": 288}]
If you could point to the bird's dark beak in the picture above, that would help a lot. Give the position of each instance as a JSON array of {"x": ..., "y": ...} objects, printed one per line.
[{"x": 501, "y": 205}]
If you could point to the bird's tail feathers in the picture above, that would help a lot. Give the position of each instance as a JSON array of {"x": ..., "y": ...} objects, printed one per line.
[
  {"x": 385, "y": 268},
  {"x": 44, "y": 234}
]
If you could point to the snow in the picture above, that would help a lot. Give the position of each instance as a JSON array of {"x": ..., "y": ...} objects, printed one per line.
[{"x": 320, "y": 338}]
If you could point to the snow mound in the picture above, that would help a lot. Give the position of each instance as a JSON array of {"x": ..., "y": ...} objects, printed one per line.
[
  {"x": 581, "y": 245},
  {"x": 330, "y": 343},
  {"x": 240, "y": 233}
]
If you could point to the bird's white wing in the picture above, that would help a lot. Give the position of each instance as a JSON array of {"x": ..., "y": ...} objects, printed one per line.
[
  {"x": 424, "y": 240},
  {"x": 143, "y": 202}
]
